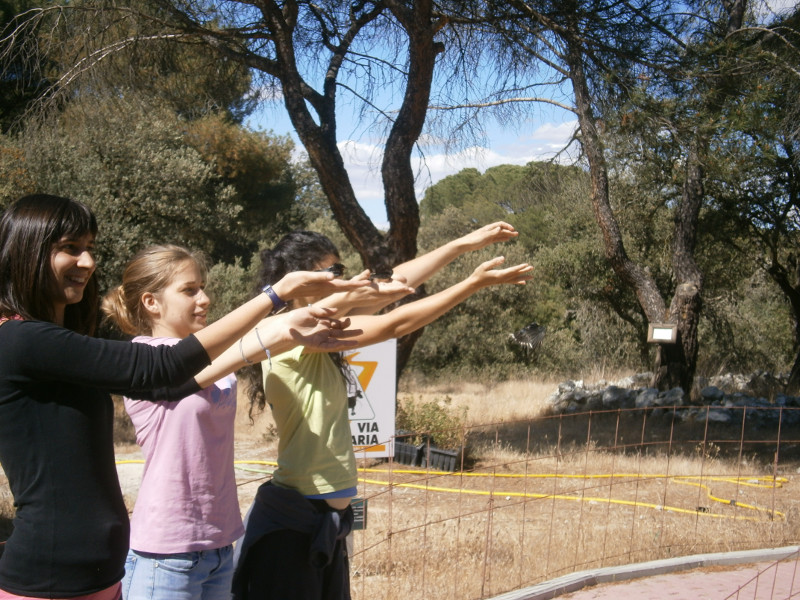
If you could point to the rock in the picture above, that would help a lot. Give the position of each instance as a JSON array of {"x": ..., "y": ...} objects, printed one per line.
[
  {"x": 595, "y": 402},
  {"x": 646, "y": 398},
  {"x": 566, "y": 386},
  {"x": 723, "y": 398},
  {"x": 614, "y": 397},
  {"x": 713, "y": 415},
  {"x": 712, "y": 393},
  {"x": 673, "y": 397}
]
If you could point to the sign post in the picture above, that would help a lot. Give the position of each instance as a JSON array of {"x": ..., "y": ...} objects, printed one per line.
[{"x": 371, "y": 404}]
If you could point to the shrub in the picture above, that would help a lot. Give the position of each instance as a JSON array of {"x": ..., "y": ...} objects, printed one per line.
[
  {"x": 434, "y": 420},
  {"x": 230, "y": 285}
]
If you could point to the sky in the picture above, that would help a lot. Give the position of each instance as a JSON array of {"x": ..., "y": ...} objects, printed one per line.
[{"x": 540, "y": 136}]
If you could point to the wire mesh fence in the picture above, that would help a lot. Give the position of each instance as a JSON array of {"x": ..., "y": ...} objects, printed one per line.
[
  {"x": 556, "y": 495},
  {"x": 560, "y": 494}
]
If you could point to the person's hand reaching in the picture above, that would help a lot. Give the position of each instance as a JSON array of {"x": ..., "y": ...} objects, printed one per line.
[{"x": 316, "y": 327}]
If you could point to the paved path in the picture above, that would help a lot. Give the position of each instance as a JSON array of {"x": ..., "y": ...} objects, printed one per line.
[
  {"x": 760, "y": 581},
  {"x": 769, "y": 574}
]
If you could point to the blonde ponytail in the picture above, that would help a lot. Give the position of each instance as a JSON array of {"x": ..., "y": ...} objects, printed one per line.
[{"x": 150, "y": 271}]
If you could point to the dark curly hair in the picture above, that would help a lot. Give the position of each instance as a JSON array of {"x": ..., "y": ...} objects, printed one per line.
[{"x": 296, "y": 251}]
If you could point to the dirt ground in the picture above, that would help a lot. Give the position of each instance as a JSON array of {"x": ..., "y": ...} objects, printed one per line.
[{"x": 522, "y": 518}]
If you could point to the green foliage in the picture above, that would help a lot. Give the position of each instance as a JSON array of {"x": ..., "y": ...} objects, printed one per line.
[
  {"x": 169, "y": 163},
  {"x": 19, "y": 83},
  {"x": 574, "y": 293},
  {"x": 142, "y": 54},
  {"x": 143, "y": 182},
  {"x": 434, "y": 420},
  {"x": 474, "y": 333},
  {"x": 450, "y": 191},
  {"x": 15, "y": 180},
  {"x": 229, "y": 285},
  {"x": 592, "y": 319},
  {"x": 258, "y": 167},
  {"x": 310, "y": 201},
  {"x": 152, "y": 178},
  {"x": 747, "y": 133},
  {"x": 746, "y": 327}
]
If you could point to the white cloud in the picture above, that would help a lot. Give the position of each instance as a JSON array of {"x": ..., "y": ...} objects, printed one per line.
[{"x": 363, "y": 161}]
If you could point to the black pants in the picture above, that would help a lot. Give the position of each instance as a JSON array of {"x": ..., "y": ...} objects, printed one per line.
[{"x": 277, "y": 567}]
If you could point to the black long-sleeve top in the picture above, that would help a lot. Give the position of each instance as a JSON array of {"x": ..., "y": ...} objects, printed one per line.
[{"x": 71, "y": 526}]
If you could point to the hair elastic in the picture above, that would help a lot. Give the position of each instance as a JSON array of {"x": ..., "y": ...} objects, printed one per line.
[
  {"x": 264, "y": 348},
  {"x": 241, "y": 351}
]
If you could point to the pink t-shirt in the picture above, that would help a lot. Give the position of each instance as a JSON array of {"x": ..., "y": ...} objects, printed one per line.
[{"x": 187, "y": 499}]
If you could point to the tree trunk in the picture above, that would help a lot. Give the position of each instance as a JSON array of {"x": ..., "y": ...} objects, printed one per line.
[
  {"x": 318, "y": 136},
  {"x": 675, "y": 363},
  {"x": 793, "y": 385},
  {"x": 791, "y": 290}
]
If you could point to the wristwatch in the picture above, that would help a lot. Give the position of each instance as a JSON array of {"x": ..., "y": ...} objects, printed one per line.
[{"x": 278, "y": 305}]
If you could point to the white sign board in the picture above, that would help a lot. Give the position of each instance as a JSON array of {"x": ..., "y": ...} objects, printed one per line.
[
  {"x": 372, "y": 403},
  {"x": 664, "y": 333}
]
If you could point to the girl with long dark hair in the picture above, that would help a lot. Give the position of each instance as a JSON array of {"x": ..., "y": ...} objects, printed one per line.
[
  {"x": 71, "y": 527},
  {"x": 294, "y": 543}
]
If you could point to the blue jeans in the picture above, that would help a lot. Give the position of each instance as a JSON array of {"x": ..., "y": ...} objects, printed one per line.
[{"x": 203, "y": 575}]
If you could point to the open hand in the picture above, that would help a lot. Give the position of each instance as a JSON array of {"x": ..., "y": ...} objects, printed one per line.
[
  {"x": 315, "y": 327},
  {"x": 304, "y": 284},
  {"x": 489, "y": 234},
  {"x": 487, "y": 274}
]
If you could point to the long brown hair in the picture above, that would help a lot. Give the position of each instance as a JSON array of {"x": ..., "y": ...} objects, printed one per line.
[{"x": 29, "y": 229}]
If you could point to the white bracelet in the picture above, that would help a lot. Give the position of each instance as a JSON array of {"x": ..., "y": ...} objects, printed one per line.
[
  {"x": 264, "y": 348},
  {"x": 241, "y": 351}
]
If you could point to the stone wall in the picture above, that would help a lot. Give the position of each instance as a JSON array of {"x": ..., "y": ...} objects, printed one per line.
[{"x": 720, "y": 399}]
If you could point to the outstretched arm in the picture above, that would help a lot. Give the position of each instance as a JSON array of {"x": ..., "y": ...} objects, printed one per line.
[
  {"x": 415, "y": 272},
  {"x": 371, "y": 329},
  {"x": 311, "y": 327},
  {"x": 418, "y": 270},
  {"x": 369, "y": 298},
  {"x": 220, "y": 335}
]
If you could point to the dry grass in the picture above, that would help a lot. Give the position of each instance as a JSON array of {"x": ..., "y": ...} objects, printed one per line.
[
  {"x": 546, "y": 496},
  {"x": 6, "y": 508},
  {"x": 518, "y": 520},
  {"x": 551, "y": 495},
  {"x": 473, "y": 537},
  {"x": 488, "y": 402}
]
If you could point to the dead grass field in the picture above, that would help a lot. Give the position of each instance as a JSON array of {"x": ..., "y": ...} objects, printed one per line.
[{"x": 545, "y": 496}]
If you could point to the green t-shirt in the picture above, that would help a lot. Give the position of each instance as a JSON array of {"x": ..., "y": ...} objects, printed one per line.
[{"x": 308, "y": 397}]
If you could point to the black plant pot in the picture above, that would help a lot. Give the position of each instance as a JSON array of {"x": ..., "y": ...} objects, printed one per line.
[
  {"x": 441, "y": 460},
  {"x": 408, "y": 454}
]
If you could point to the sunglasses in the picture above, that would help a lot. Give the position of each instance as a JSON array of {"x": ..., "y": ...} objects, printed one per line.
[{"x": 336, "y": 268}]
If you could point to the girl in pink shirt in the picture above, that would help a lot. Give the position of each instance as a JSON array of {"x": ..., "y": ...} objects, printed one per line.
[
  {"x": 71, "y": 527},
  {"x": 186, "y": 515}
]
